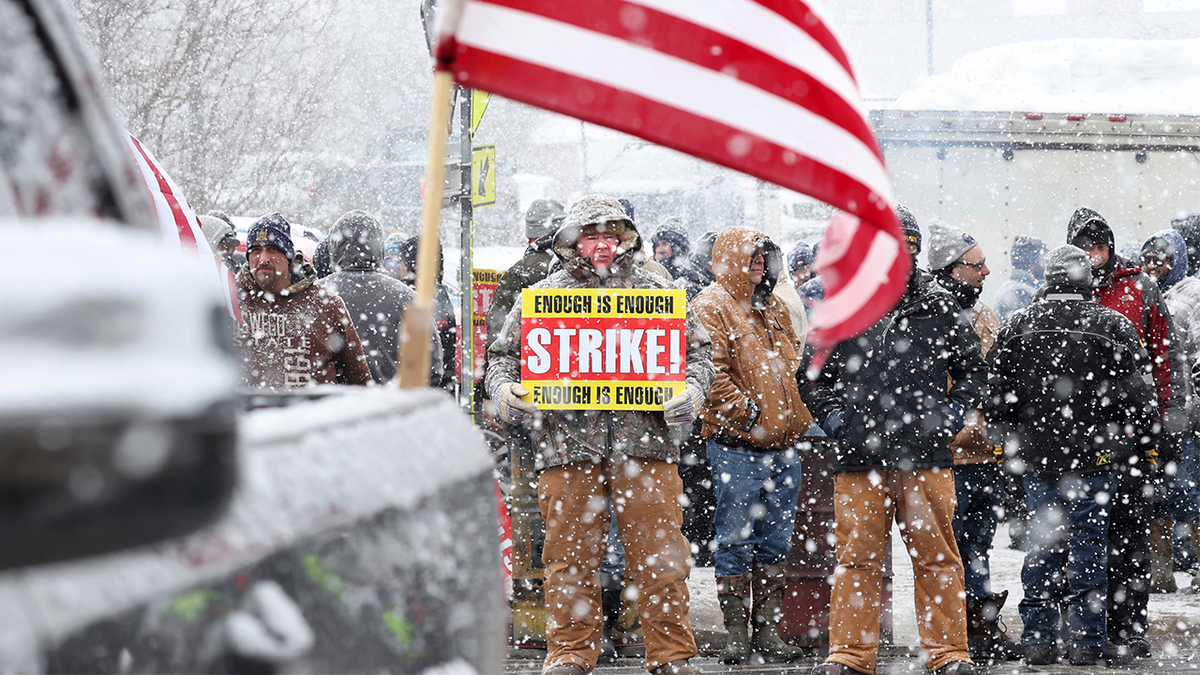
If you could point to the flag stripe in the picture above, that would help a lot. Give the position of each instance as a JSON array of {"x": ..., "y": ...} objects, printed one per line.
[
  {"x": 871, "y": 270},
  {"x": 670, "y": 81},
  {"x": 659, "y": 123},
  {"x": 663, "y": 26},
  {"x": 177, "y": 221},
  {"x": 751, "y": 23},
  {"x": 760, "y": 86},
  {"x": 809, "y": 17},
  {"x": 187, "y": 238}
]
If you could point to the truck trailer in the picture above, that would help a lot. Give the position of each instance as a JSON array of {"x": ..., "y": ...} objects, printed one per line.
[{"x": 998, "y": 174}]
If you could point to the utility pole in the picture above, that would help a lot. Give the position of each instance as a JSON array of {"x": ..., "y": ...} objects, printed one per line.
[{"x": 466, "y": 331}]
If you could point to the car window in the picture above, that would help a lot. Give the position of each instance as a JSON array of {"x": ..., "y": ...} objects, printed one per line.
[{"x": 48, "y": 165}]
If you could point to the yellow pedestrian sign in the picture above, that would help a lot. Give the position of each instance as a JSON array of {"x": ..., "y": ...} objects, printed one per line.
[
  {"x": 483, "y": 175},
  {"x": 479, "y": 104}
]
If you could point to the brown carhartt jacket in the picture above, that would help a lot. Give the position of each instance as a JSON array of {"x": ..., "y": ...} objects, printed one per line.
[
  {"x": 756, "y": 352},
  {"x": 302, "y": 337}
]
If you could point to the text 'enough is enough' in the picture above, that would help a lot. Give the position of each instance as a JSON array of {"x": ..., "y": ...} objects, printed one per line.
[{"x": 619, "y": 305}]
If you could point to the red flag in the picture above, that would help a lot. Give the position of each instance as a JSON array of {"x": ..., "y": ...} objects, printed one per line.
[{"x": 760, "y": 86}]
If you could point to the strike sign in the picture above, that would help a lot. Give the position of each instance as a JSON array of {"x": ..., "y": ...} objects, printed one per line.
[{"x": 603, "y": 349}]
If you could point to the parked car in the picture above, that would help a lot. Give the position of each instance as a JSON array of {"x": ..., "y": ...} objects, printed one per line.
[{"x": 362, "y": 533}]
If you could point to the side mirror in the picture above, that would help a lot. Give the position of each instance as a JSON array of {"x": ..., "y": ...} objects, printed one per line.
[
  {"x": 118, "y": 393},
  {"x": 77, "y": 487}
]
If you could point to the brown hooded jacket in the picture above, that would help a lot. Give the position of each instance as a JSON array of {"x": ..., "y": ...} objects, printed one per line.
[{"x": 755, "y": 400}]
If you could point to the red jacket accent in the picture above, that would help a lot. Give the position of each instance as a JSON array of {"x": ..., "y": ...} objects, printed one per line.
[{"x": 1135, "y": 296}]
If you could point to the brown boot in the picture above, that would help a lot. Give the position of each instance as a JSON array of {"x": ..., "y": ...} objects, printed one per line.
[
  {"x": 1162, "y": 556},
  {"x": 986, "y": 640},
  {"x": 769, "y": 581},
  {"x": 733, "y": 592}
]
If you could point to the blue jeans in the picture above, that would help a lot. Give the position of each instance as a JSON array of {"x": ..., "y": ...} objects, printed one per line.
[
  {"x": 614, "y": 552},
  {"x": 979, "y": 489},
  {"x": 756, "y": 492},
  {"x": 1066, "y": 520},
  {"x": 1178, "y": 495}
]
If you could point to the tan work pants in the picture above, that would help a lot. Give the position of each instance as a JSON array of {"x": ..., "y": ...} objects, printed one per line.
[
  {"x": 574, "y": 504},
  {"x": 922, "y": 502}
]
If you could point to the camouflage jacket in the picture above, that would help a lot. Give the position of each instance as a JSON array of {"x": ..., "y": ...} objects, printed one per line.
[{"x": 562, "y": 437}]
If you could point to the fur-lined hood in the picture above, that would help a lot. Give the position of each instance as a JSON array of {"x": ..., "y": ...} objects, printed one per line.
[{"x": 596, "y": 209}]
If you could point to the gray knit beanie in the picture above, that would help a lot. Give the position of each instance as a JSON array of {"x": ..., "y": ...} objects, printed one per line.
[
  {"x": 947, "y": 244},
  {"x": 1068, "y": 265},
  {"x": 543, "y": 218}
]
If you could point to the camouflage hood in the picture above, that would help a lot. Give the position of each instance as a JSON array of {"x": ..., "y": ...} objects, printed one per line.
[{"x": 596, "y": 210}]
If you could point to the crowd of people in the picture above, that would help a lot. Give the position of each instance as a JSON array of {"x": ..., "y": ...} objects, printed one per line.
[{"x": 1070, "y": 410}]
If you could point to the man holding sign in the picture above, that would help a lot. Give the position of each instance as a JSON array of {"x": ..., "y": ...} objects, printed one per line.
[{"x": 606, "y": 356}]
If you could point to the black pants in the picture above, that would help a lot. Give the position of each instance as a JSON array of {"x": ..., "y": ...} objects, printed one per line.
[
  {"x": 1129, "y": 557},
  {"x": 696, "y": 475}
]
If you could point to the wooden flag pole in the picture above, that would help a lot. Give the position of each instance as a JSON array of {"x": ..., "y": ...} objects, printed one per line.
[{"x": 418, "y": 319}]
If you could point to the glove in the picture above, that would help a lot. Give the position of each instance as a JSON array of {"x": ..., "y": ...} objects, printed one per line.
[
  {"x": 833, "y": 424},
  {"x": 683, "y": 407},
  {"x": 956, "y": 417},
  {"x": 509, "y": 405}
]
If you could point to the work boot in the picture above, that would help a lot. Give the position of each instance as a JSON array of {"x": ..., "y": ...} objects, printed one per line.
[
  {"x": 1040, "y": 654},
  {"x": 1138, "y": 647},
  {"x": 1108, "y": 655},
  {"x": 986, "y": 639},
  {"x": 1162, "y": 556},
  {"x": 769, "y": 581},
  {"x": 733, "y": 592},
  {"x": 680, "y": 667}
]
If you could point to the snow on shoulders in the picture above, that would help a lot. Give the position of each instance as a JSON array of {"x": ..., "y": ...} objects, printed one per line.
[{"x": 1080, "y": 76}]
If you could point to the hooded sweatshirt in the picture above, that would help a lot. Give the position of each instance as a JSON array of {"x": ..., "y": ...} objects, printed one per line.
[
  {"x": 375, "y": 301},
  {"x": 301, "y": 337},
  {"x": 1120, "y": 285},
  {"x": 564, "y": 437},
  {"x": 755, "y": 401}
]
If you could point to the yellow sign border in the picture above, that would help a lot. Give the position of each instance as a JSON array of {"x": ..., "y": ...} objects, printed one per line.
[{"x": 479, "y": 155}]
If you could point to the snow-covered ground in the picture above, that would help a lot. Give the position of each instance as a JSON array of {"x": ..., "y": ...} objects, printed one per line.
[{"x": 1072, "y": 76}]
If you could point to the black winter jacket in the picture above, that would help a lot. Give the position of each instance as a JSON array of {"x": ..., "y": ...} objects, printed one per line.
[
  {"x": 1070, "y": 387},
  {"x": 891, "y": 383},
  {"x": 376, "y": 302}
]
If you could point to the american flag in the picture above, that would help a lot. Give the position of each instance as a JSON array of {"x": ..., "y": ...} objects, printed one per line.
[
  {"x": 760, "y": 86},
  {"x": 177, "y": 221}
]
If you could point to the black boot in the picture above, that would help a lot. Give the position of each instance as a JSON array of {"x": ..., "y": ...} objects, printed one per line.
[{"x": 769, "y": 581}]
